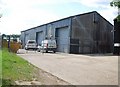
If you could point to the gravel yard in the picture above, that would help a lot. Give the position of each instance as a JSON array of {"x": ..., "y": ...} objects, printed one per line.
[{"x": 77, "y": 69}]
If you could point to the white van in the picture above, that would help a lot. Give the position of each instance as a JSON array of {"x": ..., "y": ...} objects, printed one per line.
[
  {"x": 47, "y": 45},
  {"x": 31, "y": 44}
]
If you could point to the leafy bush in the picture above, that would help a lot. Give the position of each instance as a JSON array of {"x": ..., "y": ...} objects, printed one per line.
[{"x": 14, "y": 46}]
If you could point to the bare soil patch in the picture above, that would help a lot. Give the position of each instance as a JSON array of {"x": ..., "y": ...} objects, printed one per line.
[{"x": 43, "y": 78}]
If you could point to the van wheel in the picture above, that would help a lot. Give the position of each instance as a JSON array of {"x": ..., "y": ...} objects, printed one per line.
[
  {"x": 46, "y": 51},
  {"x": 54, "y": 51},
  {"x": 41, "y": 51},
  {"x": 26, "y": 48},
  {"x": 38, "y": 50}
]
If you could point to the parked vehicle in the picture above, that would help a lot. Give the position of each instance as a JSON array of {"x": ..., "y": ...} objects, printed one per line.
[
  {"x": 116, "y": 49},
  {"x": 47, "y": 45},
  {"x": 31, "y": 44}
]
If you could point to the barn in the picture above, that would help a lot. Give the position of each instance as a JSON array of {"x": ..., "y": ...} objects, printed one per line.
[{"x": 86, "y": 33}]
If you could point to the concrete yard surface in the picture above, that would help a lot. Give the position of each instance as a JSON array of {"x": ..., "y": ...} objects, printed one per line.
[{"x": 77, "y": 69}]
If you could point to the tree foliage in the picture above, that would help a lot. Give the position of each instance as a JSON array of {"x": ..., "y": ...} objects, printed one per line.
[
  {"x": 115, "y": 3},
  {"x": 118, "y": 18}
]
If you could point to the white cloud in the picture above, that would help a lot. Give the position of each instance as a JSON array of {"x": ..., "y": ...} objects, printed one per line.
[
  {"x": 24, "y": 20},
  {"x": 21, "y": 3},
  {"x": 109, "y": 14},
  {"x": 93, "y": 3},
  {"x": 19, "y": 15},
  {"x": 102, "y": 6}
]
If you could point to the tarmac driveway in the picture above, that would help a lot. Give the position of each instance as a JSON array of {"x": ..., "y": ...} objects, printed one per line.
[{"x": 77, "y": 69}]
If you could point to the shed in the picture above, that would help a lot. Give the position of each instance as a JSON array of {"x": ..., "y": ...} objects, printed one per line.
[{"x": 83, "y": 33}]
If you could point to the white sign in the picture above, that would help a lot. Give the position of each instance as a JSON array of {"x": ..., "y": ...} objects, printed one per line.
[{"x": 116, "y": 44}]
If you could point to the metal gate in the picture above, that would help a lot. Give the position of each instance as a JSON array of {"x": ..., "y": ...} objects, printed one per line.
[
  {"x": 62, "y": 35},
  {"x": 39, "y": 37}
]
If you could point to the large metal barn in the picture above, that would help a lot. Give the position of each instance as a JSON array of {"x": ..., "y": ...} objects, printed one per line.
[{"x": 84, "y": 33}]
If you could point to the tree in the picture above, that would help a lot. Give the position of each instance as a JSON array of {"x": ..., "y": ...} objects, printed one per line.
[
  {"x": 0, "y": 15},
  {"x": 116, "y": 3}
]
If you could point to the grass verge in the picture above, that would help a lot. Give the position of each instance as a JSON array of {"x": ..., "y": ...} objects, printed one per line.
[
  {"x": 15, "y": 68},
  {"x": 0, "y": 68}
]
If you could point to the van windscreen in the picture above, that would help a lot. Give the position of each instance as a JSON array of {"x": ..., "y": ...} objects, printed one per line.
[{"x": 31, "y": 42}]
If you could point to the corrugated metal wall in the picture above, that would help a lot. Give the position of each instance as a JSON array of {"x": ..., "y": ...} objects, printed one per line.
[
  {"x": 27, "y": 35},
  {"x": 40, "y": 33},
  {"x": 46, "y": 31},
  {"x": 62, "y": 39},
  {"x": 82, "y": 27},
  {"x": 105, "y": 41},
  {"x": 22, "y": 36},
  {"x": 62, "y": 34},
  {"x": 93, "y": 32}
]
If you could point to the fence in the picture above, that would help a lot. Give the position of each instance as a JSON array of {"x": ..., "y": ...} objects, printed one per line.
[{"x": 14, "y": 46}]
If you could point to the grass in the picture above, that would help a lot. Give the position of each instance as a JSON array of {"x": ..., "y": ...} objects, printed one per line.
[
  {"x": 15, "y": 68},
  {"x": 0, "y": 68}
]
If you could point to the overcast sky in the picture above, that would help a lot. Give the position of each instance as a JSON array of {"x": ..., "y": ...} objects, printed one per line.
[{"x": 18, "y": 15}]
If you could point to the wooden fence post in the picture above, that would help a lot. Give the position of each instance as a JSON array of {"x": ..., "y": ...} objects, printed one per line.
[{"x": 9, "y": 43}]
